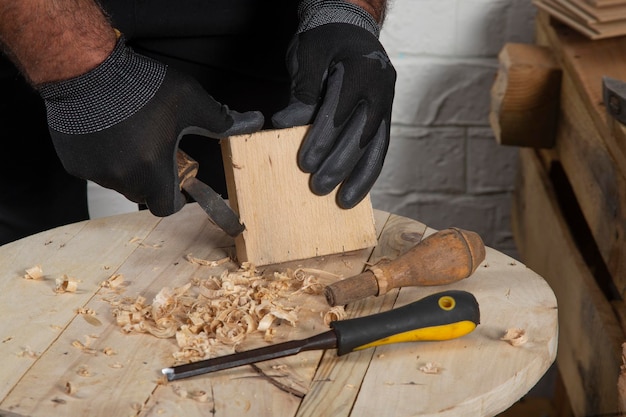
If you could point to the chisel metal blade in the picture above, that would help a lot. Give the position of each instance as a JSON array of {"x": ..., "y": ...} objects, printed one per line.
[
  {"x": 212, "y": 203},
  {"x": 326, "y": 340}
]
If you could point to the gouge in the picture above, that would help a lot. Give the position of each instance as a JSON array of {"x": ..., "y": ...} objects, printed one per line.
[
  {"x": 442, "y": 258},
  {"x": 442, "y": 316},
  {"x": 211, "y": 202}
]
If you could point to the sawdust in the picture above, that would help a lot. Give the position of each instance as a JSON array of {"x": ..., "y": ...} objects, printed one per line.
[{"x": 430, "y": 368}]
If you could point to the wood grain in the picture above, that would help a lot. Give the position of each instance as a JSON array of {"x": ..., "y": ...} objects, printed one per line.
[
  {"x": 284, "y": 220},
  {"x": 525, "y": 96}
]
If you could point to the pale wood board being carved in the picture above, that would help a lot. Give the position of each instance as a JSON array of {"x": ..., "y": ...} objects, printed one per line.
[{"x": 284, "y": 220}]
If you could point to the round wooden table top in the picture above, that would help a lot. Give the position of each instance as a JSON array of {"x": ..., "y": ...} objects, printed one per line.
[{"x": 62, "y": 354}]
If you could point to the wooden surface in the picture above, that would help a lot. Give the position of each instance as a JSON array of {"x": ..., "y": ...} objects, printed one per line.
[
  {"x": 264, "y": 164},
  {"x": 480, "y": 375}
]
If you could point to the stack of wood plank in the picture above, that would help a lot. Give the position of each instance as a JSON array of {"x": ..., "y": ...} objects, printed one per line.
[{"x": 594, "y": 18}]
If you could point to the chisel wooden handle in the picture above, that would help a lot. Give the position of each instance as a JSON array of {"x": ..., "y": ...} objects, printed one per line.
[{"x": 442, "y": 258}]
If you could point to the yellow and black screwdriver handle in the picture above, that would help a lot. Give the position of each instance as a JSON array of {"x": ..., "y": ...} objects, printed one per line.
[{"x": 442, "y": 316}]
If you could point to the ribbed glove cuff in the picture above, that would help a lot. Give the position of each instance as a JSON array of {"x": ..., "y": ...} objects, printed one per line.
[
  {"x": 314, "y": 13},
  {"x": 110, "y": 93}
]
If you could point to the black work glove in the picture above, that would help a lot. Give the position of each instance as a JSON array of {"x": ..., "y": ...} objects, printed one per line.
[
  {"x": 342, "y": 83},
  {"x": 119, "y": 125}
]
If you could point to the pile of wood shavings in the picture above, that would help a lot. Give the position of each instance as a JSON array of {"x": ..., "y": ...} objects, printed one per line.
[{"x": 207, "y": 315}]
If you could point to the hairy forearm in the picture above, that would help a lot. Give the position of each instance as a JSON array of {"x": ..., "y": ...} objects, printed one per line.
[
  {"x": 53, "y": 40},
  {"x": 376, "y": 8}
]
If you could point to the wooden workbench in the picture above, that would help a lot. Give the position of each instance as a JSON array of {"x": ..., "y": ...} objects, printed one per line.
[{"x": 479, "y": 374}]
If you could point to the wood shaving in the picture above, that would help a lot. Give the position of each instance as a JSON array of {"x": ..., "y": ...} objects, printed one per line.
[
  {"x": 199, "y": 395},
  {"x": 196, "y": 395},
  {"x": 65, "y": 284},
  {"x": 180, "y": 391},
  {"x": 34, "y": 273},
  {"x": 334, "y": 314},
  {"x": 205, "y": 262},
  {"x": 210, "y": 316},
  {"x": 430, "y": 368},
  {"x": 109, "y": 351},
  {"x": 113, "y": 282},
  {"x": 515, "y": 337},
  {"x": 84, "y": 346},
  {"x": 153, "y": 246},
  {"x": 89, "y": 315},
  {"x": 310, "y": 278},
  {"x": 269, "y": 334},
  {"x": 27, "y": 352},
  {"x": 69, "y": 388},
  {"x": 83, "y": 371},
  {"x": 94, "y": 321}
]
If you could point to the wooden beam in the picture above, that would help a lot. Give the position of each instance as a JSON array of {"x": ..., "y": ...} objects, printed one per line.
[
  {"x": 525, "y": 96},
  {"x": 284, "y": 220}
]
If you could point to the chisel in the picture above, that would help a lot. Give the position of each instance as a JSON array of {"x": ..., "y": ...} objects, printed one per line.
[
  {"x": 444, "y": 257},
  {"x": 442, "y": 316},
  {"x": 212, "y": 203}
]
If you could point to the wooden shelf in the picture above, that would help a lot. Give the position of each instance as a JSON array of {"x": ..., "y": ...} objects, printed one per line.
[{"x": 569, "y": 216}]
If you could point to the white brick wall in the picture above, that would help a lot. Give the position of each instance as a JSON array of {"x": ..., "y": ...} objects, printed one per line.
[{"x": 444, "y": 166}]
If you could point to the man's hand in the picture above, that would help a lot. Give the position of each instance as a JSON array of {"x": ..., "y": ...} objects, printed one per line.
[
  {"x": 115, "y": 117},
  {"x": 119, "y": 125},
  {"x": 343, "y": 83}
]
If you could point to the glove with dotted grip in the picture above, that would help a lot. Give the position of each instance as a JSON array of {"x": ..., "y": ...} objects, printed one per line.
[
  {"x": 343, "y": 84},
  {"x": 119, "y": 125}
]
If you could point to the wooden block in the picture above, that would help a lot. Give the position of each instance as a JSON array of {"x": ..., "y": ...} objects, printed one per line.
[
  {"x": 284, "y": 220},
  {"x": 525, "y": 96}
]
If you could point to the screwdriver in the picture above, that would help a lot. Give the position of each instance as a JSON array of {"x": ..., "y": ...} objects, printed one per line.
[{"x": 441, "y": 316}]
